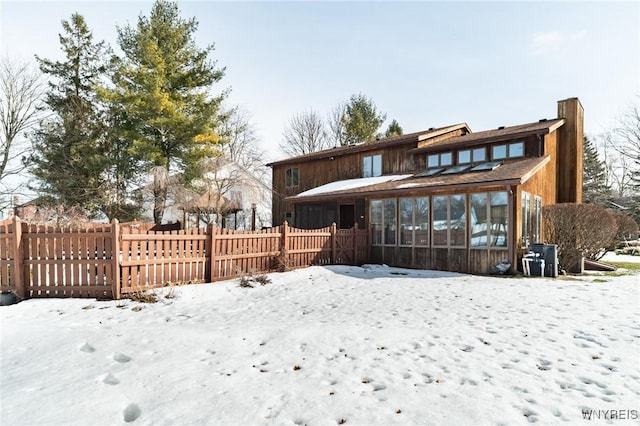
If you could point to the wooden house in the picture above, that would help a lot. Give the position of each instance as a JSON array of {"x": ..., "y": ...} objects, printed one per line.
[{"x": 446, "y": 198}]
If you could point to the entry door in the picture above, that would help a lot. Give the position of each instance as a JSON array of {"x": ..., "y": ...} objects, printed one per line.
[{"x": 347, "y": 216}]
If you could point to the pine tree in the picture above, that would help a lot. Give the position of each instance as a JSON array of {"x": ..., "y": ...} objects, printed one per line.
[
  {"x": 394, "y": 129},
  {"x": 162, "y": 86},
  {"x": 361, "y": 120},
  {"x": 594, "y": 187},
  {"x": 68, "y": 160}
]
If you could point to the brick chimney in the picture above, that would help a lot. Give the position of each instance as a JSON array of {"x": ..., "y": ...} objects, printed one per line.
[{"x": 569, "y": 154}]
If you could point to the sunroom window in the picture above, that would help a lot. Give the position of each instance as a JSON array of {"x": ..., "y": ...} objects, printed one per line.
[
  {"x": 414, "y": 221},
  {"x": 383, "y": 221},
  {"x": 449, "y": 220},
  {"x": 489, "y": 219}
]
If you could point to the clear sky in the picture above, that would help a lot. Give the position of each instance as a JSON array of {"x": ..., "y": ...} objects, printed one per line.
[{"x": 426, "y": 64}]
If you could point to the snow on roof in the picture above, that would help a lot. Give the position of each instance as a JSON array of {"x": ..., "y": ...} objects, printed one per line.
[{"x": 342, "y": 185}]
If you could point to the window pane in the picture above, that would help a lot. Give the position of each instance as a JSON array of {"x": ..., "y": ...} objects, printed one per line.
[
  {"x": 446, "y": 159},
  {"x": 537, "y": 217},
  {"x": 294, "y": 176},
  {"x": 390, "y": 222},
  {"x": 499, "y": 152},
  {"x": 440, "y": 222},
  {"x": 377, "y": 165},
  {"x": 464, "y": 156},
  {"x": 526, "y": 211},
  {"x": 458, "y": 219},
  {"x": 499, "y": 215},
  {"x": 287, "y": 177},
  {"x": 479, "y": 154},
  {"x": 366, "y": 166},
  {"x": 406, "y": 221},
  {"x": 516, "y": 149},
  {"x": 433, "y": 161},
  {"x": 479, "y": 220},
  {"x": 375, "y": 220},
  {"x": 421, "y": 222}
]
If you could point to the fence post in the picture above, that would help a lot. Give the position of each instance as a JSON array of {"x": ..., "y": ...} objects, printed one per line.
[
  {"x": 355, "y": 244},
  {"x": 285, "y": 244},
  {"x": 18, "y": 261},
  {"x": 115, "y": 259},
  {"x": 213, "y": 271},
  {"x": 333, "y": 244}
]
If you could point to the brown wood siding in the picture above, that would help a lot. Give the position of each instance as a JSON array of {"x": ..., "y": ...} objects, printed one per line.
[
  {"x": 422, "y": 257},
  {"x": 569, "y": 152},
  {"x": 312, "y": 174},
  {"x": 440, "y": 138},
  {"x": 542, "y": 184}
]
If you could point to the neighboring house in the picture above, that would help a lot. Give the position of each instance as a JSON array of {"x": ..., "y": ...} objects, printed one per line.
[
  {"x": 447, "y": 198},
  {"x": 228, "y": 195}
]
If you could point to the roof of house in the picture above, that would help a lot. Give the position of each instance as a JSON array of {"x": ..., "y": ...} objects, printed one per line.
[
  {"x": 513, "y": 172},
  {"x": 494, "y": 135},
  {"x": 211, "y": 201},
  {"x": 368, "y": 146}
]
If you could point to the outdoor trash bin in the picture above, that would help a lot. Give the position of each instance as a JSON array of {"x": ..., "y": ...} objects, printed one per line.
[
  {"x": 548, "y": 253},
  {"x": 533, "y": 266}
]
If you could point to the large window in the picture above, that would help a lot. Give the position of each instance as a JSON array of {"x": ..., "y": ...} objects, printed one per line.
[
  {"x": 449, "y": 220},
  {"x": 438, "y": 160},
  {"x": 375, "y": 220},
  {"x": 537, "y": 218},
  {"x": 526, "y": 214},
  {"x": 383, "y": 221},
  {"x": 406, "y": 221},
  {"x": 489, "y": 219},
  {"x": 472, "y": 155},
  {"x": 414, "y": 221},
  {"x": 510, "y": 150},
  {"x": 372, "y": 165},
  {"x": 291, "y": 177},
  {"x": 390, "y": 226}
]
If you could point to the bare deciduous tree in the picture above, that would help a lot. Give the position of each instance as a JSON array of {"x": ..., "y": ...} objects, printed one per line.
[
  {"x": 337, "y": 135},
  {"x": 240, "y": 143},
  {"x": 21, "y": 88},
  {"x": 616, "y": 164},
  {"x": 627, "y": 134},
  {"x": 305, "y": 133}
]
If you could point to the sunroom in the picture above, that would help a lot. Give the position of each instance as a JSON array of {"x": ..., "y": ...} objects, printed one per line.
[{"x": 464, "y": 222}]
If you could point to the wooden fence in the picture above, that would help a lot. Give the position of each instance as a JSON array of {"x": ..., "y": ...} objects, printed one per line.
[{"x": 109, "y": 260}]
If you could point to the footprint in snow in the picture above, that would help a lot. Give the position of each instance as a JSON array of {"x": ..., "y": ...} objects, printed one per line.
[
  {"x": 87, "y": 348},
  {"x": 131, "y": 412},
  {"x": 110, "y": 379},
  {"x": 379, "y": 386},
  {"x": 121, "y": 358}
]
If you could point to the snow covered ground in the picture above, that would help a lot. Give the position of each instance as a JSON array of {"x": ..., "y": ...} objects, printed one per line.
[{"x": 331, "y": 345}]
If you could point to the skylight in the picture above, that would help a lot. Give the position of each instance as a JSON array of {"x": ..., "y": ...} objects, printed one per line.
[
  {"x": 429, "y": 172},
  {"x": 457, "y": 169},
  {"x": 491, "y": 165}
]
